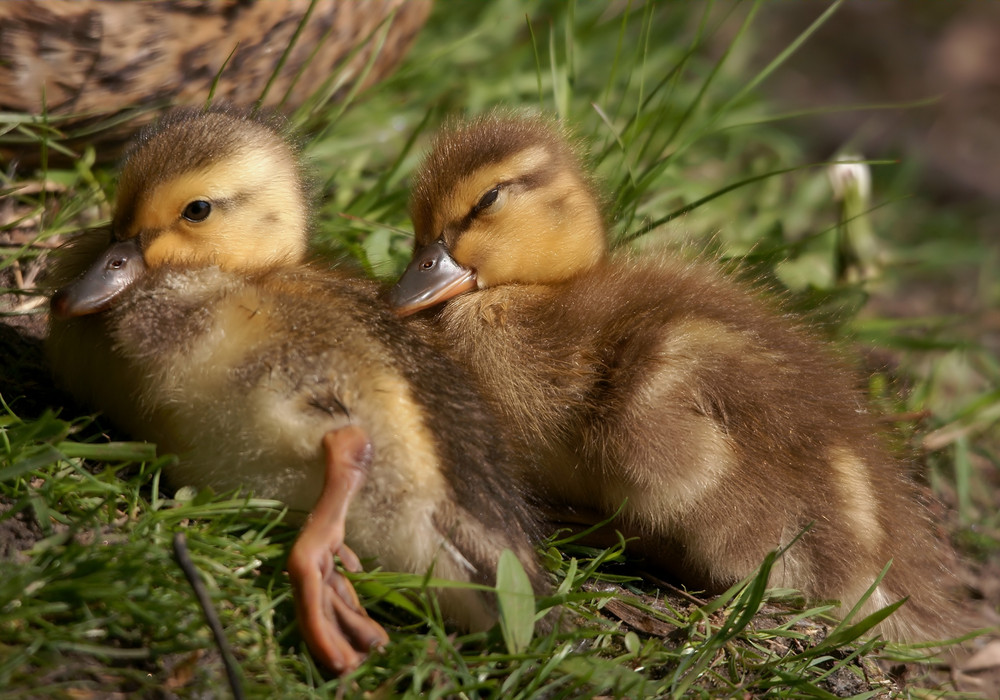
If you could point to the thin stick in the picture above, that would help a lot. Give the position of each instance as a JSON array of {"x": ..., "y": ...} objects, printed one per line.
[
  {"x": 660, "y": 583},
  {"x": 188, "y": 567}
]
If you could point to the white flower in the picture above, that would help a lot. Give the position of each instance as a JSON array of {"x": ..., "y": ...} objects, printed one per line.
[{"x": 849, "y": 176}]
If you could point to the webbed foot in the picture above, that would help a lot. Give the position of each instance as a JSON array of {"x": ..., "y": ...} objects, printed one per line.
[{"x": 335, "y": 626}]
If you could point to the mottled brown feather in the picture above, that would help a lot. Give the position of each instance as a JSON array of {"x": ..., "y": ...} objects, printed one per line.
[{"x": 79, "y": 60}]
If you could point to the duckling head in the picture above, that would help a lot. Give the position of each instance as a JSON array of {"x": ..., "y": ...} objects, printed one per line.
[
  {"x": 199, "y": 188},
  {"x": 500, "y": 200}
]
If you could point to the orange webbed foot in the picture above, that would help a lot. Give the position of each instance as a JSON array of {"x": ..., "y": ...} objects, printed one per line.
[{"x": 335, "y": 626}]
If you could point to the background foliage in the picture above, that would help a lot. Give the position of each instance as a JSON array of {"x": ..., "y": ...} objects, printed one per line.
[{"x": 684, "y": 109}]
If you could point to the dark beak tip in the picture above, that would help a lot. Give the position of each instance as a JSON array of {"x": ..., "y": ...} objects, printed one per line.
[
  {"x": 400, "y": 301},
  {"x": 432, "y": 277},
  {"x": 58, "y": 304},
  {"x": 393, "y": 297},
  {"x": 101, "y": 283},
  {"x": 63, "y": 305}
]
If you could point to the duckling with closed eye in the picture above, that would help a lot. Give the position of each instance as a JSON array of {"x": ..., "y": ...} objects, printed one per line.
[
  {"x": 201, "y": 328},
  {"x": 723, "y": 426}
]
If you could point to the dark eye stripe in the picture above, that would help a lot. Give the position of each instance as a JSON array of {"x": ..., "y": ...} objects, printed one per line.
[{"x": 526, "y": 182}]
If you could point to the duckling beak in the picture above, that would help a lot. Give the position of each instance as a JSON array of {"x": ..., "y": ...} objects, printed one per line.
[
  {"x": 97, "y": 287},
  {"x": 432, "y": 277}
]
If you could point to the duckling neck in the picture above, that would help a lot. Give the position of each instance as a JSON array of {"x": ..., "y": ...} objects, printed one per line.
[{"x": 533, "y": 356}]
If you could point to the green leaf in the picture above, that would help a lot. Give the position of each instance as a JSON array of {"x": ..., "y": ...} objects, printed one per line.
[
  {"x": 110, "y": 451},
  {"x": 38, "y": 458},
  {"x": 517, "y": 602}
]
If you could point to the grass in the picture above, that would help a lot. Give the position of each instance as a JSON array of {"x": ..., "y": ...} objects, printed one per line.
[{"x": 694, "y": 158}]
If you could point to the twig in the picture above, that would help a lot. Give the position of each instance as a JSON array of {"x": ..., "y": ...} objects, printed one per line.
[
  {"x": 29, "y": 305},
  {"x": 905, "y": 417},
  {"x": 47, "y": 244},
  {"x": 660, "y": 583},
  {"x": 188, "y": 567},
  {"x": 945, "y": 436}
]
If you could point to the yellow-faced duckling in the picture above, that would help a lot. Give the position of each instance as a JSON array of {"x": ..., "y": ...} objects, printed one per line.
[
  {"x": 200, "y": 328},
  {"x": 724, "y": 427}
]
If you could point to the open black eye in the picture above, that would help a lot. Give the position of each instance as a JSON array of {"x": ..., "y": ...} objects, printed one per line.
[
  {"x": 487, "y": 199},
  {"x": 196, "y": 211}
]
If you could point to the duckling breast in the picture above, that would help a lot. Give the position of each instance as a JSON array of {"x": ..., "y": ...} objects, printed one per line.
[
  {"x": 243, "y": 376},
  {"x": 220, "y": 384}
]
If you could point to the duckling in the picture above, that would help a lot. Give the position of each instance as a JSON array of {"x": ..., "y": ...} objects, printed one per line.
[
  {"x": 723, "y": 426},
  {"x": 202, "y": 328},
  {"x": 76, "y": 60}
]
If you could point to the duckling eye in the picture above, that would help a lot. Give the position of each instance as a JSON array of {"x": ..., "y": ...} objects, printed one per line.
[
  {"x": 196, "y": 211},
  {"x": 487, "y": 199}
]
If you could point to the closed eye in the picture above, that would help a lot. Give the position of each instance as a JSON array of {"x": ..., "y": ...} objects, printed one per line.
[{"x": 487, "y": 200}]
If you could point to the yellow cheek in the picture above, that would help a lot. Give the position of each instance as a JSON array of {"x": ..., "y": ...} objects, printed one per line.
[
  {"x": 474, "y": 249},
  {"x": 170, "y": 247},
  {"x": 154, "y": 211}
]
